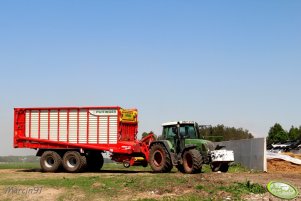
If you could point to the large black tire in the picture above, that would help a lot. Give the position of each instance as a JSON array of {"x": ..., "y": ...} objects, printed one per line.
[
  {"x": 50, "y": 161},
  {"x": 215, "y": 167},
  {"x": 224, "y": 167},
  {"x": 74, "y": 162},
  {"x": 192, "y": 161},
  {"x": 94, "y": 161},
  {"x": 159, "y": 159}
]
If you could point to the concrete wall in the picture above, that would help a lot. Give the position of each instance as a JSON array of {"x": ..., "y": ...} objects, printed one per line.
[{"x": 250, "y": 153}]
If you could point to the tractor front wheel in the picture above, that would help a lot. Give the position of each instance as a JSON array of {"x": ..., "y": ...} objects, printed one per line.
[
  {"x": 192, "y": 161},
  {"x": 159, "y": 159}
]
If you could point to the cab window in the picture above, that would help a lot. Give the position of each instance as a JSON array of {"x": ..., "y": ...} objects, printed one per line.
[
  {"x": 188, "y": 131},
  {"x": 168, "y": 132}
]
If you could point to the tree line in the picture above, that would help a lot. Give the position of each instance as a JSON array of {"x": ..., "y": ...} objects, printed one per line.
[
  {"x": 279, "y": 135},
  {"x": 221, "y": 133}
]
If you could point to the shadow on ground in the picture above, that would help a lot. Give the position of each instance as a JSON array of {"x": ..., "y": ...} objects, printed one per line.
[{"x": 101, "y": 171}]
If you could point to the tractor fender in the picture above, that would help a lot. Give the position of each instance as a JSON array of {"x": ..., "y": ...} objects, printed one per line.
[
  {"x": 188, "y": 147},
  {"x": 163, "y": 142},
  {"x": 167, "y": 145}
]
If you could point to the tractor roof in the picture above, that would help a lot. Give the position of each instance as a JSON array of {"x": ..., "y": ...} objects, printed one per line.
[{"x": 172, "y": 123}]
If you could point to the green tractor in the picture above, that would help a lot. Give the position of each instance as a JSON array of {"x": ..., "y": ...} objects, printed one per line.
[{"x": 182, "y": 146}]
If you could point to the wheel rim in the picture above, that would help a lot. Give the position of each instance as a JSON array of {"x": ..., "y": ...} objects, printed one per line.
[
  {"x": 158, "y": 158},
  {"x": 72, "y": 162},
  {"x": 49, "y": 162}
]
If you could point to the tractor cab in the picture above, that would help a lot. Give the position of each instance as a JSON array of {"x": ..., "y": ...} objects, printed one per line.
[
  {"x": 181, "y": 129},
  {"x": 185, "y": 133}
]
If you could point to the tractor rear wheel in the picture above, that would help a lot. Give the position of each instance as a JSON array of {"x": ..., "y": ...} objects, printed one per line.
[
  {"x": 159, "y": 159},
  {"x": 50, "y": 161},
  {"x": 192, "y": 161},
  {"x": 74, "y": 162}
]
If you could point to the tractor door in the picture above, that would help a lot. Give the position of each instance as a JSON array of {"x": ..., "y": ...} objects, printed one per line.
[{"x": 170, "y": 133}]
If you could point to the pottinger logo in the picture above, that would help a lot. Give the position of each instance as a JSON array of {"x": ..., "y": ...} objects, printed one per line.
[{"x": 103, "y": 112}]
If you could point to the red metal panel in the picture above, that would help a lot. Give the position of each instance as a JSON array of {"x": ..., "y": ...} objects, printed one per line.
[
  {"x": 97, "y": 129},
  {"x": 77, "y": 131},
  {"x": 125, "y": 131},
  {"x": 48, "y": 129},
  {"x": 87, "y": 141},
  {"x": 39, "y": 125},
  {"x": 29, "y": 123},
  {"x": 58, "y": 125},
  {"x": 68, "y": 111},
  {"x": 72, "y": 108},
  {"x": 118, "y": 126},
  {"x": 108, "y": 130}
]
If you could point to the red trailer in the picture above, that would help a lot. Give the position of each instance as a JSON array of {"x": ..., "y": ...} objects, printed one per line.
[{"x": 76, "y": 137}]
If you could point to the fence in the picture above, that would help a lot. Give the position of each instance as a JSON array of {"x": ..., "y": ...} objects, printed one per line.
[{"x": 251, "y": 153}]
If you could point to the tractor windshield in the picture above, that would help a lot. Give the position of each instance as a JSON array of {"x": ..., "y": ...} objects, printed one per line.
[{"x": 189, "y": 131}]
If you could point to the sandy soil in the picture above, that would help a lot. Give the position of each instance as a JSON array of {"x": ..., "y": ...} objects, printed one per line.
[{"x": 281, "y": 166}]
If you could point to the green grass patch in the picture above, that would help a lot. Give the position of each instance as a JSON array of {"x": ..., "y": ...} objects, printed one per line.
[
  {"x": 237, "y": 189},
  {"x": 20, "y": 165},
  {"x": 236, "y": 168}
]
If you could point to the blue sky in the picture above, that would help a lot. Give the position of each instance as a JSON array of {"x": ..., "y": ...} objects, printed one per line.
[{"x": 236, "y": 63}]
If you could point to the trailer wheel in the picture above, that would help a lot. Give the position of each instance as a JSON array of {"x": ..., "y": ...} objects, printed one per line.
[
  {"x": 223, "y": 167},
  {"x": 159, "y": 159},
  {"x": 215, "y": 166},
  {"x": 94, "y": 161},
  {"x": 74, "y": 162},
  {"x": 50, "y": 161},
  {"x": 192, "y": 161}
]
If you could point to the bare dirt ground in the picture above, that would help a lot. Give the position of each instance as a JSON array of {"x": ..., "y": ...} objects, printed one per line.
[
  {"x": 280, "y": 166},
  {"x": 262, "y": 178},
  {"x": 75, "y": 193}
]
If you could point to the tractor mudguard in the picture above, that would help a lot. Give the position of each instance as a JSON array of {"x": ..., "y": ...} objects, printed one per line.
[
  {"x": 188, "y": 147},
  {"x": 168, "y": 146}
]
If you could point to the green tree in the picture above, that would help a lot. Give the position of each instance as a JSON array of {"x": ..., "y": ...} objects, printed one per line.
[
  {"x": 277, "y": 134},
  {"x": 144, "y": 134},
  {"x": 294, "y": 133},
  {"x": 223, "y": 133}
]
